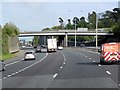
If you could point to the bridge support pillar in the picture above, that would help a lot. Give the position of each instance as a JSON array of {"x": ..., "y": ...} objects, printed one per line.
[{"x": 66, "y": 40}]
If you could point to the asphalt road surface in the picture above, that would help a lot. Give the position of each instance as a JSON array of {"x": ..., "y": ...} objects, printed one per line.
[{"x": 67, "y": 68}]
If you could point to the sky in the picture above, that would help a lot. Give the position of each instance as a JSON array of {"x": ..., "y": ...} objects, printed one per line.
[{"x": 34, "y": 15}]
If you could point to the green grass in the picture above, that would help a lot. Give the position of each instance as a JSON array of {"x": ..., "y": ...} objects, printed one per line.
[{"x": 7, "y": 56}]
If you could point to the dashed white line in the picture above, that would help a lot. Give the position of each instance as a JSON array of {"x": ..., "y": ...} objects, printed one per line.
[
  {"x": 9, "y": 75},
  {"x": 4, "y": 77},
  {"x": 91, "y": 51},
  {"x": 24, "y": 68},
  {"x": 61, "y": 67},
  {"x": 90, "y": 58},
  {"x": 99, "y": 64},
  {"x": 93, "y": 61},
  {"x": 55, "y": 75},
  {"x": 64, "y": 63},
  {"x": 13, "y": 74},
  {"x": 108, "y": 72},
  {"x": 12, "y": 63}
]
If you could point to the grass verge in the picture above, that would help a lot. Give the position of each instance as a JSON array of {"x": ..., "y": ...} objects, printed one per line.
[{"x": 8, "y": 56}]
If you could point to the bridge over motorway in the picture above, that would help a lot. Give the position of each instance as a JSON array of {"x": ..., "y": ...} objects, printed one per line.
[{"x": 63, "y": 34}]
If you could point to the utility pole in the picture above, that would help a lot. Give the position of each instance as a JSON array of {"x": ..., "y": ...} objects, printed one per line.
[{"x": 75, "y": 32}]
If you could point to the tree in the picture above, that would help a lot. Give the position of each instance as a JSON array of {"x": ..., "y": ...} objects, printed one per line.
[
  {"x": 10, "y": 29},
  {"x": 56, "y": 27},
  {"x": 116, "y": 17},
  {"x": 69, "y": 25},
  {"x": 46, "y": 29},
  {"x": 82, "y": 23},
  {"x": 92, "y": 20},
  {"x": 75, "y": 22},
  {"x": 35, "y": 41},
  {"x": 61, "y": 23}
]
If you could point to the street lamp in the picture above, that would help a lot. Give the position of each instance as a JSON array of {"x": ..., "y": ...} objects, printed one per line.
[
  {"x": 96, "y": 31},
  {"x": 75, "y": 32}
]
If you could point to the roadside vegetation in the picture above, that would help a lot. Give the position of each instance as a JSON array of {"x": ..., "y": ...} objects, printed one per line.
[
  {"x": 9, "y": 29},
  {"x": 7, "y": 56}
]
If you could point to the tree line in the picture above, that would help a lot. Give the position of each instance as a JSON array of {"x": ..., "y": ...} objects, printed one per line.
[{"x": 109, "y": 20}]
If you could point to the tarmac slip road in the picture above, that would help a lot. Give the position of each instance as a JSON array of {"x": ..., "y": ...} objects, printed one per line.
[{"x": 68, "y": 68}]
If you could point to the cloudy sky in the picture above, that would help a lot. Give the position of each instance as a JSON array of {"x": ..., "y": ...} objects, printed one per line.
[{"x": 34, "y": 15}]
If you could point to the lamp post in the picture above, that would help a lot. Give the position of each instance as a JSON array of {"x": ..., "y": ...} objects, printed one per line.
[
  {"x": 75, "y": 32},
  {"x": 96, "y": 31}
]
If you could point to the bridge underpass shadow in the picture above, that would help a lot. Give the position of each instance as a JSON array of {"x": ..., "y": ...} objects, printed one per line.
[
  {"x": 88, "y": 63},
  {"x": 97, "y": 63}
]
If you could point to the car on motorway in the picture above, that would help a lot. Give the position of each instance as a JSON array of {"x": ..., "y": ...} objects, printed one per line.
[
  {"x": 23, "y": 46},
  {"x": 29, "y": 55},
  {"x": 43, "y": 48},
  {"x": 60, "y": 48},
  {"x": 82, "y": 45},
  {"x": 2, "y": 65},
  {"x": 38, "y": 49}
]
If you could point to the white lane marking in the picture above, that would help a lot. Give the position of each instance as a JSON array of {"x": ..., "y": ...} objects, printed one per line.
[
  {"x": 61, "y": 67},
  {"x": 64, "y": 63},
  {"x": 90, "y": 51},
  {"x": 55, "y": 75},
  {"x": 4, "y": 77},
  {"x": 99, "y": 64},
  {"x": 25, "y": 67},
  {"x": 13, "y": 74},
  {"x": 9, "y": 75},
  {"x": 63, "y": 57},
  {"x": 108, "y": 72},
  {"x": 119, "y": 84},
  {"x": 12, "y": 63},
  {"x": 90, "y": 58},
  {"x": 93, "y": 61}
]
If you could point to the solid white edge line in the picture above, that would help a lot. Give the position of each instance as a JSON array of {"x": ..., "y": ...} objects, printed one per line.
[
  {"x": 26, "y": 67},
  {"x": 108, "y": 72},
  {"x": 55, "y": 75}
]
